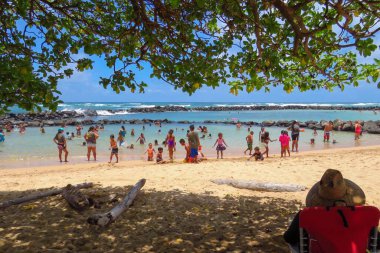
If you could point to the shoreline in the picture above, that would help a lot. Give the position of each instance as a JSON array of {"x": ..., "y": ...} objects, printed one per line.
[{"x": 102, "y": 158}]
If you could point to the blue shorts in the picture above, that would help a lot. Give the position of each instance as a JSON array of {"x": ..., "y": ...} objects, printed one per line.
[{"x": 193, "y": 152}]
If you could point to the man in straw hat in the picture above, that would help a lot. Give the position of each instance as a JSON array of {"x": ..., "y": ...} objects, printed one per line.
[{"x": 331, "y": 190}]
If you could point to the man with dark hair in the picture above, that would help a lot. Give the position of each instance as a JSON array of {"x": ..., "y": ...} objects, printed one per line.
[{"x": 194, "y": 143}]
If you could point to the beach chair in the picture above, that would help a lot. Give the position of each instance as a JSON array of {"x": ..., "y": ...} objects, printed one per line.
[{"x": 339, "y": 229}]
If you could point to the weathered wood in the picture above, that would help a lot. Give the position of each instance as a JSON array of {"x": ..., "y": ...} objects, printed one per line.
[
  {"x": 39, "y": 195},
  {"x": 77, "y": 200},
  {"x": 259, "y": 186},
  {"x": 107, "y": 218}
]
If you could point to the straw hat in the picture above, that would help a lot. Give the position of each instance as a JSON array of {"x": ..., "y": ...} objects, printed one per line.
[{"x": 333, "y": 189}]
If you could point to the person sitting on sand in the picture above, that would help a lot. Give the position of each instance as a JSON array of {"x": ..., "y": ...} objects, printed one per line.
[
  {"x": 358, "y": 130},
  {"x": 249, "y": 140},
  {"x": 141, "y": 139},
  {"x": 159, "y": 158},
  {"x": 60, "y": 140},
  {"x": 150, "y": 152},
  {"x": 327, "y": 131},
  {"x": 114, "y": 149},
  {"x": 221, "y": 146},
  {"x": 331, "y": 190},
  {"x": 187, "y": 149},
  {"x": 257, "y": 154}
]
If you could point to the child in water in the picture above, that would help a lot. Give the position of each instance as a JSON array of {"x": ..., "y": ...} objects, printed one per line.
[
  {"x": 187, "y": 149},
  {"x": 155, "y": 142},
  {"x": 221, "y": 145},
  {"x": 159, "y": 158},
  {"x": 257, "y": 154},
  {"x": 120, "y": 138},
  {"x": 141, "y": 138},
  {"x": 114, "y": 149},
  {"x": 265, "y": 139},
  {"x": 314, "y": 135},
  {"x": 131, "y": 146},
  {"x": 150, "y": 152}
]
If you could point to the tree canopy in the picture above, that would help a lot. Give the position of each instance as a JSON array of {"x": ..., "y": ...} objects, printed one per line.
[{"x": 248, "y": 44}]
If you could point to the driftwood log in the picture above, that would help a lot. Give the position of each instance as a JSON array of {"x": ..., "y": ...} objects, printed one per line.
[
  {"x": 107, "y": 218},
  {"x": 76, "y": 199},
  {"x": 40, "y": 195},
  {"x": 259, "y": 186}
]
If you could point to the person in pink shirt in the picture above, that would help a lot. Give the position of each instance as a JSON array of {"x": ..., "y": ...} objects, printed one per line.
[
  {"x": 284, "y": 140},
  {"x": 221, "y": 145}
]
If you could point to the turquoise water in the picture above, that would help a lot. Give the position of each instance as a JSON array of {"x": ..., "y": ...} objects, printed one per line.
[{"x": 34, "y": 148}]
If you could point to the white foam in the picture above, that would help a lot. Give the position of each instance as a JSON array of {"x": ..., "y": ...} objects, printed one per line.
[
  {"x": 122, "y": 113},
  {"x": 145, "y": 106},
  {"x": 104, "y": 113}
]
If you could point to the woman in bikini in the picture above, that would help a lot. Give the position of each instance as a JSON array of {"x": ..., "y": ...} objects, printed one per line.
[
  {"x": 90, "y": 138},
  {"x": 170, "y": 142},
  {"x": 60, "y": 140}
]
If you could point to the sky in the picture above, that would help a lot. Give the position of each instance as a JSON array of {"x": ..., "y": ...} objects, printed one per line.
[{"x": 84, "y": 87}]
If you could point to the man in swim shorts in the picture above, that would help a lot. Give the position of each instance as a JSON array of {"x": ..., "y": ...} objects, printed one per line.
[
  {"x": 327, "y": 131},
  {"x": 194, "y": 143}
]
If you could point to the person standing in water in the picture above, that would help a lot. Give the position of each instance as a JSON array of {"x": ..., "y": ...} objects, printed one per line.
[
  {"x": 90, "y": 138},
  {"x": 295, "y": 128},
  {"x": 194, "y": 143},
  {"x": 170, "y": 142},
  {"x": 358, "y": 130},
  {"x": 327, "y": 131},
  {"x": 249, "y": 140},
  {"x": 60, "y": 140}
]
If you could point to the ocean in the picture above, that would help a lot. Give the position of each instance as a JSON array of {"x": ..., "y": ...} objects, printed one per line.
[{"x": 33, "y": 148}]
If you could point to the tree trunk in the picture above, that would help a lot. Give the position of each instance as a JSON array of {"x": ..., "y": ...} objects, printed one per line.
[
  {"x": 258, "y": 186},
  {"x": 39, "y": 195},
  {"x": 107, "y": 218}
]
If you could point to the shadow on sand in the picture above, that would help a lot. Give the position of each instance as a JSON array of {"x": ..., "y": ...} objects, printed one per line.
[{"x": 170, "y": 221}]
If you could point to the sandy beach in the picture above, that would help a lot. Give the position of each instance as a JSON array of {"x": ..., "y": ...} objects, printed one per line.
[{"x": 180, "y": 209}]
